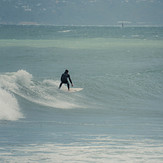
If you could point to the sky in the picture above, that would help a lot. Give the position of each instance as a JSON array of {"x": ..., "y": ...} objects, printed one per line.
[{"x": 82, "y": 12}]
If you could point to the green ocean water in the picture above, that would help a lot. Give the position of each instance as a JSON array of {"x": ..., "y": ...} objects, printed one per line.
[{"x": 117, "y": 117}]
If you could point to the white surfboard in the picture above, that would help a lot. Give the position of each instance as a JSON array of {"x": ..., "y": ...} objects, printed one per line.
[{"x": 73, "y": 90}]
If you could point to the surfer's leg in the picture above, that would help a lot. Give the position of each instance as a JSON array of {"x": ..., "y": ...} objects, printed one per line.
[
  {"x": 68, "y": 85},
  {"x": 60, "y": 85}
]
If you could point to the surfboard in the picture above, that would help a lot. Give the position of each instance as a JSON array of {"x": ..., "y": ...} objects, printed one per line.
[{"x": 73, "y": 90}]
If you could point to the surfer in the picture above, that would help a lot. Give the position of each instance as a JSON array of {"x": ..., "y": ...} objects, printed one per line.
[{"x": 64, "y": 80}]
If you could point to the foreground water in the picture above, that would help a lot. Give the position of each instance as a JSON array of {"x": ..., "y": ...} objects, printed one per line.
[{"x": 117, "y": 117}]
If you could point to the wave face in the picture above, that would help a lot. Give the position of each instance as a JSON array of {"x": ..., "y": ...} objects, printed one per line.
[{"x": 21, "y": 83}]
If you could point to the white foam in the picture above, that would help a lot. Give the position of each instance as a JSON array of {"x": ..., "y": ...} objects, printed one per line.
[
  {"x": 64, "y": 31},
  {"x": 9, "y": 108},
  {"x": 10, "y": 81},
  {"x": 88, "y": 150}
]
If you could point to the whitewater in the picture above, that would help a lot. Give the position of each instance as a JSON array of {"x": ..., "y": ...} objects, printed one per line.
[{"x": 117, "y": 117}]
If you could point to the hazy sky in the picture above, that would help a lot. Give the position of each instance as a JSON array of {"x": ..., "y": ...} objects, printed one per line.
[{"x": 82, "y": 12}]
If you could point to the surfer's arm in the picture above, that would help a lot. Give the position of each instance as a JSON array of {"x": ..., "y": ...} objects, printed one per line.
[{"x": 70, "y": 80}]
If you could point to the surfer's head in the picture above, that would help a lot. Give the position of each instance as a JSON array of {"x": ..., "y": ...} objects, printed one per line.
[{"x": 66, "y": 71}]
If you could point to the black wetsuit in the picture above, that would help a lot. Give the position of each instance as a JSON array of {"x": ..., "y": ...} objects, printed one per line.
[{"x": 64, "y": 80}]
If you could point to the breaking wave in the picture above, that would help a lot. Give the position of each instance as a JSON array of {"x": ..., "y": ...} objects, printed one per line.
[{"x": 21, "y": 83}]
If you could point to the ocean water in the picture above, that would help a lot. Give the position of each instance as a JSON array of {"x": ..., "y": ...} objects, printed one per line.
[{"x": 117, "y": 117}]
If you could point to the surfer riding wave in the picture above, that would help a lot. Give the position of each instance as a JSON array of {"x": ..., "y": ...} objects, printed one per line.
[{"x": 64, "y": 79}]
